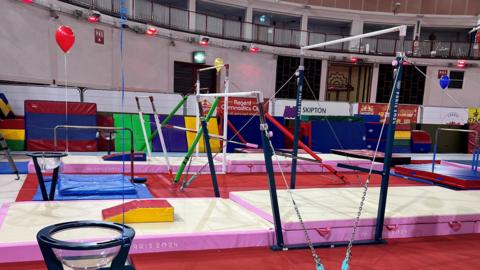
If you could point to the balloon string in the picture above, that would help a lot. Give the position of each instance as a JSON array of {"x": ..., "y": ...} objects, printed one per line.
[{"x": 66, "y": 102}]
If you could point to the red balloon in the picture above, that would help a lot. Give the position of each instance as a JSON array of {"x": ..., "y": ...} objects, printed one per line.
[{"x": 65, "y": 38}]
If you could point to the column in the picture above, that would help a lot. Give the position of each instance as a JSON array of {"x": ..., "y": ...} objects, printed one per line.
[
  {"x": 192, "y": 8},
  {"x": 356, "y": 29},
  {"x": 373, "y": 87},
  {"x": 304, "y": 30},
  {"x": 247, "y": 25},
  {"x": 323, "y": 81}
]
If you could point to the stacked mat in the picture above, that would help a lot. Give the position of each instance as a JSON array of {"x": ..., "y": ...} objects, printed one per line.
[
  {"x": 132, "y": 121},
  {"x": 41, "y": 117},
  {"x": 175, "y": 140},
  {"x": 13, "y": 131},
  {"x": 372, "y": 135},
  {"x": 420, "y": 141},
  {"x": 212, "y": 125},
  {"x": 337, "y": 132},
  {"x": 401, "y": 143}
]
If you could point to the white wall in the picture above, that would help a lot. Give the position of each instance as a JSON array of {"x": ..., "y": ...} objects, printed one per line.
[
  {"x": 29, "y": 53},
  {"x": 469, "y": 96}
]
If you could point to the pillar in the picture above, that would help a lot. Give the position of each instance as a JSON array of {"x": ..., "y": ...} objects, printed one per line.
[
  {"x": 323, "y": 81},
  {"x": 373, "y": 87},
  {"x": 192, "y": 8},
  {"x": 304, "y": 30},
  {"x": 247, "y": 25},
  {"x": 356, "y": 29}
]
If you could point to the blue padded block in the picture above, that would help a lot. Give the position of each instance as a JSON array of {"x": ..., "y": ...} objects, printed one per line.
[
  {"x": 99, "y": 184},
  {"x": 125, "y": 157},
  {"x": 401, "y": 149},
  {"x": 372, "y": 144},
  {"x": 351, "y": 135},
  {"x": 175, "y": 140},
  {"x": 251, "y": 132},
  {"x": 142, "y": 193},
  {"x": 373, "y": 130},
  {"x": 22, "y": 167},
  {"x": 369, "y": 117},
  {"x": 40, "y": 126},
  {"x": 421, "y": 147}
]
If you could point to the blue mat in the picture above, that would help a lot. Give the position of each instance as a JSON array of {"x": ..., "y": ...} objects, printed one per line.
[
  {"x": 459, "y": 173},
  {"x": 22, "y": 167},
  {"x": 95, "y": 187},
  {"x": 464, "y": 162}
]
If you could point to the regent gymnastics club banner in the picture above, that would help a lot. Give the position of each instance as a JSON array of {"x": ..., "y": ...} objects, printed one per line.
[
  {"x": 407, "y": 114},
  {"x": 236, "y": 105}
]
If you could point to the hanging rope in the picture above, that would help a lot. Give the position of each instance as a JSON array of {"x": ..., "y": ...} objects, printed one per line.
[
  {"x": 316, "y": 258},
  {"x": 123, "y": 21}
]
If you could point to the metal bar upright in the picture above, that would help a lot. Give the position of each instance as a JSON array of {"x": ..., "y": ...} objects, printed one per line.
[
  {"x": 389, "y": 148},
  {"x": 267, "y": 154},
  {"x": 208, "y": 150},
  {"x": 296, "y": 132}
]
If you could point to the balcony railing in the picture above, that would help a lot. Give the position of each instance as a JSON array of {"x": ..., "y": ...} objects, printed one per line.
[{"x": 150, "y": 12}]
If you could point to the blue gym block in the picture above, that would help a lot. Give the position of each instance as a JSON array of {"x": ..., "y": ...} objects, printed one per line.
[
  {"x": 371, "y": 144},
  {"x": 175, "y": 140},
  {"x": 421, "y": 147},
  {"x": 100, "y": 184},
  {"x": 327, "y": 135},
  {"x": 142, "y": 193},
  {"x": 251, "y": 132},
  {"x": 372, "y": 130},
  {"x": 369, "y": 117},
  {"x": 125, "y": 157},
  {"x": 401, "y": 149}
]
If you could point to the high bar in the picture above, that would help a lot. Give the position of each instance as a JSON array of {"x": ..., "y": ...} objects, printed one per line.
[
  {"x": 402, "y": 29},
  {"x": 232, "y": 94}
]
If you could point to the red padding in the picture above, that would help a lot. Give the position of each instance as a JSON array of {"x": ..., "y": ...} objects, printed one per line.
[
  {"x": 420, "y": 136},
  {"x": 76, "y": 146},
  {"x": 18, "y": 123},
  {"x": 58, "y": 107}
]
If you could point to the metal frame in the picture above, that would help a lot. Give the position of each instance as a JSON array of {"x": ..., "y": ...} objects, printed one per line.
[
  {"x": 226, "y": 90},
  {"x": 280, "y": 245},
  {"x": 158, "y": 125},
  {"x": 132, "y": 151},
  {"x": 47, "y": 243},
  {"x": 451, "y": 130}
]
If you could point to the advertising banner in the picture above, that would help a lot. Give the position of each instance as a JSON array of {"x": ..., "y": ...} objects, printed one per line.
[{"x": 407, "y": 114}]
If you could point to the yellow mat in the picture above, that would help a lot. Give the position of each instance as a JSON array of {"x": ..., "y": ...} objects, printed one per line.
[
  {"x": 212, "y": 129},
  {"x": 403, "y": 135},
  {"x": 13, "y": 134}
]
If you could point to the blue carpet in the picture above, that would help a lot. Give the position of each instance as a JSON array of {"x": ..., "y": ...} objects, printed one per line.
[{"x": 22, "y": 167}]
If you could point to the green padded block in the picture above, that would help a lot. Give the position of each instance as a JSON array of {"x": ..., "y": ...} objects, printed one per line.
[{"x": 132, "y": 121}]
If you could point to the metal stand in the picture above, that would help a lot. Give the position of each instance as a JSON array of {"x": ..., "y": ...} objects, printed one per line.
[
  {"x": 50, "y": 196},
  {"x": 47, "y": 243},
  {"x": 6, "y": 152},
  {"x": 208, "y": 149}
]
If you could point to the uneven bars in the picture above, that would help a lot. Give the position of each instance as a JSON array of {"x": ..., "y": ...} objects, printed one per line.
[{"x": 402, "y": 29}]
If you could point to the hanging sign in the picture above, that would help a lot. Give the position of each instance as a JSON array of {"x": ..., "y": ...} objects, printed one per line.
[{"x": 99, "y": 36}]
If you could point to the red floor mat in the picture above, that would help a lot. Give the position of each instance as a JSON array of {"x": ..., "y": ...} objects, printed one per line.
[
  {"x": 160, "y": 186},
  {"x": 425, "y": 253}
]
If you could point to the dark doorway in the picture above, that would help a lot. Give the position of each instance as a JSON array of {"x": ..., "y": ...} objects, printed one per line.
[{"x": 185, "y": 77}]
